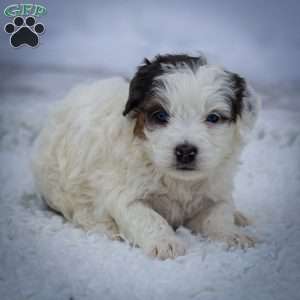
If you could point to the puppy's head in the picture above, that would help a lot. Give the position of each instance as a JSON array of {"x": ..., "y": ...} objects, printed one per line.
[{"x": 191, "y": 116}]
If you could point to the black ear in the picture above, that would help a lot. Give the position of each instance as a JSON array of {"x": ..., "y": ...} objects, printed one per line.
[
  {"x": 141, "y": 85},
  {"x": 135, "y": 96},
  {"x": 240, "y": 90},
  {"x": 245, "y": 103},
  {"x": 136, "y": 93}
]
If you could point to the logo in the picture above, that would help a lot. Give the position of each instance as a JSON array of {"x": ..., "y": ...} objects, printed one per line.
[{"x": 24, "y": 28}]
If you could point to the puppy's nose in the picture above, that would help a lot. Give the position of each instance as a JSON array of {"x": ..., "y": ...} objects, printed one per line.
[{"x": 186, "y": 153}]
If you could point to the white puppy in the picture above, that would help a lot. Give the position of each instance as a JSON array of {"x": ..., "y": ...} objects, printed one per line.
[{"x": 140, "y": 159}]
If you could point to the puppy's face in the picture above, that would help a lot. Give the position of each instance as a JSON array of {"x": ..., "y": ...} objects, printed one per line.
[{"x": 189, "y": 114}]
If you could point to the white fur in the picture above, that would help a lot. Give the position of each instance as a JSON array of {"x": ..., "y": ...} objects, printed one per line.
[{"x": 89, "y": 166}]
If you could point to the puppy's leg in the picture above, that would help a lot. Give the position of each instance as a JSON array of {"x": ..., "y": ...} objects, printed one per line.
[
  {"x": 147, "y": 229},
  {"x": 85, "y": 217},
  {"x": 217, "y": 222}
]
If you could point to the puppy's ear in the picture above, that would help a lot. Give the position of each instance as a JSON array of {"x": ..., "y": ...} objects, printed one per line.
[
  {"x": 245, "y": 105},
  {"x": 141, "y": 85},
  {"x": 136, "y": 94}
]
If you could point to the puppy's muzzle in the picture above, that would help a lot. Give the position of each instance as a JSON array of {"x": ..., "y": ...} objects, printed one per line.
[{"x": 185, "y": 155}]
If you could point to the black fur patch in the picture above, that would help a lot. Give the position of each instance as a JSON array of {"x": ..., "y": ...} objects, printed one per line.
[
  {"x": 239, "y": 88},
  {"x": 144, "y": 80}
]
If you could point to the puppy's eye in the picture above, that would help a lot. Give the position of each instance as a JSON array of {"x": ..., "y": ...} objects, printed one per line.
[
  {"x": 160, "y": 117},
  {"x": 213, "y": 118}
]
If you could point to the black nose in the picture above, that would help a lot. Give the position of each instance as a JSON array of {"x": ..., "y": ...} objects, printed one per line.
[{"x": 186, "y": 153}]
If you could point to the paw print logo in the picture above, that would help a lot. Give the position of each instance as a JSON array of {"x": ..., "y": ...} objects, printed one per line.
[{"x": 24, "y": 32}]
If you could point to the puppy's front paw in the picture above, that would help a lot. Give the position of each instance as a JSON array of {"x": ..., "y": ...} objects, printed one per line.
[{"x": 165, "y": 248}]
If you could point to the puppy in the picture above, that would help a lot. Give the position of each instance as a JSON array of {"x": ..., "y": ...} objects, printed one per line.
[{"x": 140, "y": 159}]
